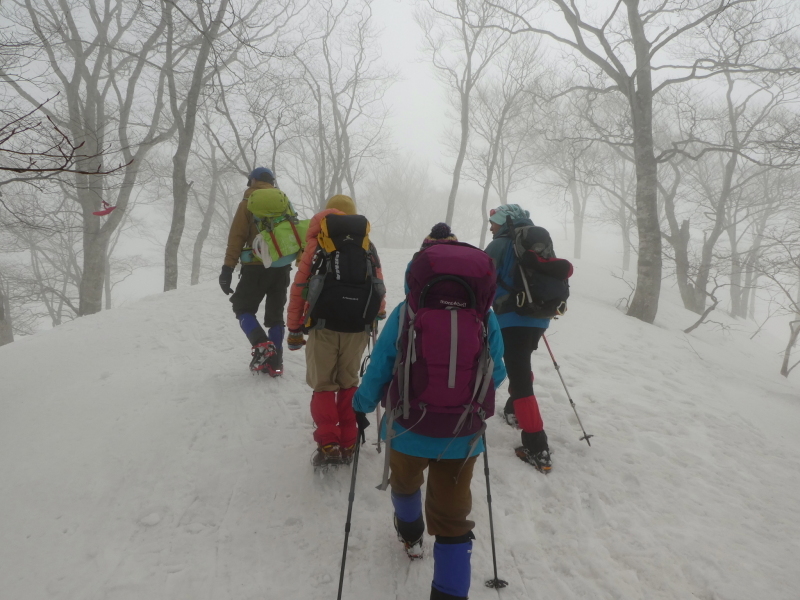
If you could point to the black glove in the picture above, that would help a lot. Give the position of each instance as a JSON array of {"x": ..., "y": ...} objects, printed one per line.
[
  {"x": 363, "y": 423},
  {"x": 225, "y": 279}
]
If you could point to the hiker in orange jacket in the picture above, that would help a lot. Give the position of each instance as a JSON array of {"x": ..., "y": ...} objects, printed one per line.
[{"x": 333, "y": 356}]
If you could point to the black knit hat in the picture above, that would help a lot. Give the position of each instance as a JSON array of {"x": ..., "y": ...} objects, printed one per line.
[{"x": 439, "y": 233}]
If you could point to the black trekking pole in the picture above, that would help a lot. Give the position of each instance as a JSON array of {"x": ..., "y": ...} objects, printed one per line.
[
  {"x": 350, "y": 499},
  {"x": 492, "y": 583},
  {"x": 378, "y": 407},
  {"x": 373, "y": 339},
  {"x": 586, "y": 436}
]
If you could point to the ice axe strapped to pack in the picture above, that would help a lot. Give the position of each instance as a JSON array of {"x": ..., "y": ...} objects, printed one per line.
[{"x": 344, "y": 293}]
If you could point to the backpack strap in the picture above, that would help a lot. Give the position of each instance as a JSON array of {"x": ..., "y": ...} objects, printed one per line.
[
  {"x": 275, "y": 242},
  {"x": 513, "y": 231},
  {"x": 482, "y": 382},
  {"x": 391, "y": 412},
  {"x": 406, "y": 379},
  {"x": 451, "y": 375},
  {"x": 296, "y": 235}
]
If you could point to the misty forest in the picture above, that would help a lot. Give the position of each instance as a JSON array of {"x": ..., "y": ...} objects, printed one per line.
[{"x": 658, "y": 140}]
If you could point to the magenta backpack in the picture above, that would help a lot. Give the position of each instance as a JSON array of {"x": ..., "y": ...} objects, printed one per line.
[{"x": 442, "y": 384}]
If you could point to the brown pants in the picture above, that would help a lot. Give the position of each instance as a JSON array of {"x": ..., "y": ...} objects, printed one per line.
[
  {"x": 448, "y": 499},
  {"x": 333, "y": 359}
]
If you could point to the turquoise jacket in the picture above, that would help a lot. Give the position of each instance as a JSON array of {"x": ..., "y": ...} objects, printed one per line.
[{"x": 502, "y": 252}]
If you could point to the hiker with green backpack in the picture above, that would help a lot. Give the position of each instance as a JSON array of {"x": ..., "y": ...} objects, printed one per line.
[{"x": 265, "y": 236}]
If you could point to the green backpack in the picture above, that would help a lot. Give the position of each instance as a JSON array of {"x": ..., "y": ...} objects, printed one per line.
[{"x": 281, "y": 232}]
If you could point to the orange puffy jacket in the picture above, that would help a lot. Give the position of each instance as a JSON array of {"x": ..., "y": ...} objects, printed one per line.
[{"x": 298, "y": 307}]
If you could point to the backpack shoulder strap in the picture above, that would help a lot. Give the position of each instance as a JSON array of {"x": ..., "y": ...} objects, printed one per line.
[
  {"x": 391, "y": 411},
  {"x": 324, "y": 238}
]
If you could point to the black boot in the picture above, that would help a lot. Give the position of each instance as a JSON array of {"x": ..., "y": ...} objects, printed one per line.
[
  {"x": 508, "y": 414},
  {"x": 274, "y": 362},
  {"x": 534, "y": 450},
  {"x": 439, "y": 595},
  {"x": 410, "y": 534}
]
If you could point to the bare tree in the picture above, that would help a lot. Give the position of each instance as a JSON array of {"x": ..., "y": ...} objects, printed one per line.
[
  {"x": 211, "y": 205},
  {"x": 98, "y": 58},
  {"x": 462, "y": 44},
  {"x": 571, "y": 162},
  {"x": 625, "y": 47},
  {"x": 616, "y": 194},
  {"x": 33, "y": 148},
  {"x": 6, "y": 324},
  {"x": 780, "y": 265},
  {"x": 203, "y": 37},
  {"x": 499, "y": 102},
  {"x": 345, "y": 82}
]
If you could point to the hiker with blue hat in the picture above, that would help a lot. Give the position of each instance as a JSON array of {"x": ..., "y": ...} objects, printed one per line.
[
  {"x": 521, "y": 335},
  {"x": 265, "y": 236}
]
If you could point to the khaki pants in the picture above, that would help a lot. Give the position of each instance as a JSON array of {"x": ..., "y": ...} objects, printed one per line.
[
  {"x": 448, "y": 499},
  {"x": 333, "y": 359}
]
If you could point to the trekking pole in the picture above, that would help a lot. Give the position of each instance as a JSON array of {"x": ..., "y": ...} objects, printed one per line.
[
  {"x": 586, "y": 436},
  {"x": 378, "y": 421},
  {"x": 373, "y": 339},
  {"x": 378, "y": 407},
  {"x": 492, "y": 583},
  {"x": 350, "y": 499}
]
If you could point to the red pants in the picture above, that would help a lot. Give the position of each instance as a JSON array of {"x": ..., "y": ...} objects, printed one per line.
[{"x": 333, "y": 414}]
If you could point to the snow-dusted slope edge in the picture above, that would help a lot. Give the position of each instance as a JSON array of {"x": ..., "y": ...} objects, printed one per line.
[{"x": 140, "y": 460}]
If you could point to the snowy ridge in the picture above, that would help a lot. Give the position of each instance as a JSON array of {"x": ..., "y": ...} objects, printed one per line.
[{"x": 141, "y": 460}]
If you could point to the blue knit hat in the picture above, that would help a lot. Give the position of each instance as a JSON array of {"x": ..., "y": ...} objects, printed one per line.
[
  {"x": 261, "y": 174},
  {"x": 515, "y": 211}
]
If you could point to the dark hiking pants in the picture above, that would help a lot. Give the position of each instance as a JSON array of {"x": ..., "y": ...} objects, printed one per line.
[
  {"x": 520, "y": 342},
  {"x": 255, "y": 283}
]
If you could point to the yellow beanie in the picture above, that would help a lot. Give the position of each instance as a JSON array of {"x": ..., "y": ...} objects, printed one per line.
[{"x": 342, "y": 203}]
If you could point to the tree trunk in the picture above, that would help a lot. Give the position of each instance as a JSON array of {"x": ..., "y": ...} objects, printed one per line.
[
  {"x": 180, "y": 186},
  {"x": 738, "y": 293},
  {"x": 205, "y": 227},
  {"x": 682, "y": 268},
  {"x": 787, "y": 353},
  {"x": 626, "y": 236},
  {"x": 107, "y": 281},
  {"x": 487, "y": 185},
  {"x": 6, "y": 329},
  {"x": 750, "y": 273},
  {"x": 795, "y": 333},
  {"x": 462, "y": 152},
  {"x": 751, "y": 307},
  {"x": 322, "y": 153},
  {"x": 644, "y": 305},
  {"x": 577, "y": 219},
  {"x": 710, "y": 242},
  {"x": 95, "y": 247},
  {"x": 485, "y": 212}
]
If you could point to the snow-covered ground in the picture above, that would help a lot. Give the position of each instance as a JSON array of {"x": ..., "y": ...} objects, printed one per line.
[{"x": 141, "y": 460}]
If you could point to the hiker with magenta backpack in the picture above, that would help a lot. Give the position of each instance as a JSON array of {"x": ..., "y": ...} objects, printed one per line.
[
  {"x": 337, "y": 295},
  {"x": 532, "y": 288},
  {"x": 435, "y": 368},
  {"x": 265, "y": 236}
]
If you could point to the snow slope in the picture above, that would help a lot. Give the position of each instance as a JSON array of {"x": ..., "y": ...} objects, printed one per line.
[{"x": 141, "y": 460}]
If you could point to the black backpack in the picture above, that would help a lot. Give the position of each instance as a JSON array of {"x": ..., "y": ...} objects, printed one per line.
[
  {"x": 344, "y": 291},
  {"x": 540, "y": 284}
]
